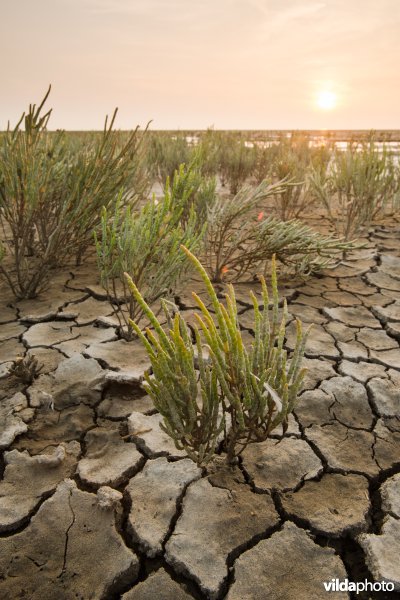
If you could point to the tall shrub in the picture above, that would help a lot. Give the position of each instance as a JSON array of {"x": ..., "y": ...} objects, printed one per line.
[{"x": 51, "y": 196}]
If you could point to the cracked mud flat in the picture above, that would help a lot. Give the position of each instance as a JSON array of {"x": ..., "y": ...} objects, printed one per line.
[{"x": 97, "y": 503}]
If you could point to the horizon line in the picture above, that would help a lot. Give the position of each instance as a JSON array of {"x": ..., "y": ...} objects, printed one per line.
[{"x": 211, "y": 128}]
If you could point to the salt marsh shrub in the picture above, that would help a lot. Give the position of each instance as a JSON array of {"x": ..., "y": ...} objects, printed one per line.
[
  {"x": 208, "y": 148},
  {"x": 266, "y": 157},
  {"x": 165, "y": 153},
  {"x": 191, "y": 191},
  {"x": 240, "y": 237},
  {"x": 145, "y": 244},
  {"x": 294, "y": 197},
  {"x": 357, "y": 187},
  {"x": 51, "y": 196},
  {"x": 236, "y": 161},
  {"x": 237, "y": 395},
  {"x": 291, "y": 160}
]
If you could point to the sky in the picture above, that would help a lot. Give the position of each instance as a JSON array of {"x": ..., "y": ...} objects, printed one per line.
[{"x": 186, "y": 64}]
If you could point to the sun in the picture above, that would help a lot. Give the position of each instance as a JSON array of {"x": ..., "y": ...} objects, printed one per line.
[{"x": 326, "y": 100}]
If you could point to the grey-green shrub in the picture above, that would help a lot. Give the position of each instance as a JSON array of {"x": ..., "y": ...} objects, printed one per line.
[
  {"x": 192, "y": 190},
  {"x": 51, "y": 196},
  {"x": 266, "y": 156},
  {"x": 145, "y": 244},
  {"x": 294, "y": 198},
  {"x": 291, "y": 160},
  {"x": 238, "y": 395},
  {"x": 357, "y": 187},
  {"x": 236, "y": 161},
  {"x": 166, "y": 151},
  {"x": 240, "y": 238}
]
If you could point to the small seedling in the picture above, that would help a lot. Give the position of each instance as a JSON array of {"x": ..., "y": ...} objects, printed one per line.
[{"x": 26, "y": 368}]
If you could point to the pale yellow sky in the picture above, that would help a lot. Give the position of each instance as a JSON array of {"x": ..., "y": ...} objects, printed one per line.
[{"x": 234, "y": 64}]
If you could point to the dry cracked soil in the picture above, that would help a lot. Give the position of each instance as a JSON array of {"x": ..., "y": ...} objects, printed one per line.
[{"x": 97, "y": 503}]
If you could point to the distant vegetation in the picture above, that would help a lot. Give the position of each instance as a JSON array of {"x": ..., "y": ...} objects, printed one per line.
[{"x": 239, "y": 198}]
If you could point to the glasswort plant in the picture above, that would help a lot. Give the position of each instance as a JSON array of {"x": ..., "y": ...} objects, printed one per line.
[{"x": 236, "y": 395}]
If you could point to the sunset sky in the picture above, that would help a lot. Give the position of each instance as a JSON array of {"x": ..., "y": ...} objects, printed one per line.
[{"x": 185, "y": 64}]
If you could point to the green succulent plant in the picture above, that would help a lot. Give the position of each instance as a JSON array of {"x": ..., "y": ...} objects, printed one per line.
[{"x": 213, "y": 390}]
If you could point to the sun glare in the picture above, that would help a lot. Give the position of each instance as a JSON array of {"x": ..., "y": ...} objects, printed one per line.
[{"x": 326, "y": 100}]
